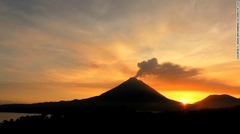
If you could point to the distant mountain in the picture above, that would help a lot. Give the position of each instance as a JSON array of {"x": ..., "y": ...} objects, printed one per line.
[
  {"x": 217, "y": 101},
  {"x": 132, "y": 94}
]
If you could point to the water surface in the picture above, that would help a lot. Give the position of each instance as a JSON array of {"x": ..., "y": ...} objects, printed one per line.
[{"x": 14, "y": 116}]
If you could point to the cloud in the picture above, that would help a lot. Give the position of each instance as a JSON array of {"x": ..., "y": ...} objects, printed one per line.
[
  {"x": 166, "y": 70},
  {"x": 168, "y": 76},
  {"x": 101, "y": 40}
]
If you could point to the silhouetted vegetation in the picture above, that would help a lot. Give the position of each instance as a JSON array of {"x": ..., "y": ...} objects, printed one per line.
[{"x": 216, "y": 120}]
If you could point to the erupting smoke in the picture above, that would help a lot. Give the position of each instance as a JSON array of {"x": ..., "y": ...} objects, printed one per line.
[{"x": 165, "y": 70}]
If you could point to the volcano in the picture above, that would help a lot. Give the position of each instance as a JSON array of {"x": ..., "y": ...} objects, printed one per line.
[
  {"x": 136, "y": 94},
  {"x": 132, "y": 94},
  {"x": 133, "y": 90}
]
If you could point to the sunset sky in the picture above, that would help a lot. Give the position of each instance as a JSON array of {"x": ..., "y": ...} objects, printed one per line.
[{"x": 55, "y": 50}]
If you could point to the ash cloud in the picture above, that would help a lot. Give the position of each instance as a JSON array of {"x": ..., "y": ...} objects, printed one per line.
[{"x": 166, "y": 70}]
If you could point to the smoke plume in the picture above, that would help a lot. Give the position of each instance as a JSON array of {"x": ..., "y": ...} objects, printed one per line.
[{"x": 166, "y": 70}]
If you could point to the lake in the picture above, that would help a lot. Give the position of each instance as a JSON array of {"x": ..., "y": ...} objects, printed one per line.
[{"x": 14, "y": 116}]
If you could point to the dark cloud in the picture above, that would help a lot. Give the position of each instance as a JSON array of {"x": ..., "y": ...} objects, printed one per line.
[
  {"x": 166, "y": 70},
  {"x": 183, "y": 78}
]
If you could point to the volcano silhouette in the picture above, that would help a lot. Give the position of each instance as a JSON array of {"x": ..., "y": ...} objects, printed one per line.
[
  {"x": 132, "y": 94},
  {"x": 133, "y": 90},
  {"x": 137, "y": 95}
]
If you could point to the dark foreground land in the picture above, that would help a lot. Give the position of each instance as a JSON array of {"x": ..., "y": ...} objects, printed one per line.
[{"x": 203, "y": 121}]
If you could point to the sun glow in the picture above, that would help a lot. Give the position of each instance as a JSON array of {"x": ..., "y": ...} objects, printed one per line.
[
  {"x": 190, "y": 96},
  {"x": 184, "y": 101}
]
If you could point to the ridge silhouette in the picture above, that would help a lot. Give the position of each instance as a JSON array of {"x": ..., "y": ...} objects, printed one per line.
[
  {"x": 217, "y": 101},
  {"x": 128, "y": 107},
  {"x": 132, "y": 94}
]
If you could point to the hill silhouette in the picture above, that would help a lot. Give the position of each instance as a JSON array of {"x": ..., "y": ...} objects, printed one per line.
[
  {"x": 127, "y": 108},
  {"x": 132, "y": 94},
  {"x": 217, "y": 101}
]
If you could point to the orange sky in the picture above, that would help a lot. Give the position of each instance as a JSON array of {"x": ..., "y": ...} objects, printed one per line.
[{"x": 64, "y": 50}]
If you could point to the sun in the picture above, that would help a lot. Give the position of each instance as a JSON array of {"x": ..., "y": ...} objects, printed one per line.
[{"x": 184, "y": 101}]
